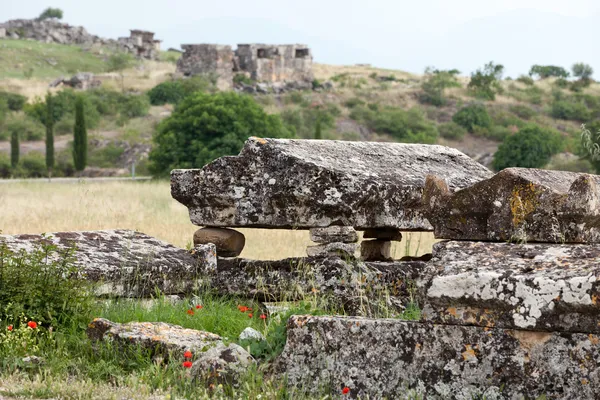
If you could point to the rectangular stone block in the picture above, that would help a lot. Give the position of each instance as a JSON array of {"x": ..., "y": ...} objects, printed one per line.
[
  {"x": 533, "y": 286},
  {"x": 284, "y": 183},
  {"x": 394, "y": 359}
]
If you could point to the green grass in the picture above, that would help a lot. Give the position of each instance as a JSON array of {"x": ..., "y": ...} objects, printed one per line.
[{"x": 17, "y": 57}]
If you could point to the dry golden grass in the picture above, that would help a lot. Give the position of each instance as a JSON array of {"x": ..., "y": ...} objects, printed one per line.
[{"x": 143, "y": 206}]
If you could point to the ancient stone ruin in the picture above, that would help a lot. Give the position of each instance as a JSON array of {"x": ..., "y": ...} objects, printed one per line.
[
  {"x": 141, "y": 44},
  {"x": 272, "y": 66},
  {"x": 508, "y": 302}
]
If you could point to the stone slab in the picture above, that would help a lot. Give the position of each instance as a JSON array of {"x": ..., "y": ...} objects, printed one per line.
[
  {"x": 394, "y": 359},
  {"x": 537, "y": 286},
  {"x": 332, "y": 234},
  {"x": 286, "y": 183},
  {"x": 125, "y": 263},
  {"x": 518, "y": 204},
  {"x": 332, "y": 249},
  {"x": 359, "y": 288}
]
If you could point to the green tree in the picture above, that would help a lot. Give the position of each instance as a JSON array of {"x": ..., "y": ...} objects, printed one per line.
[
  {"x": 51, "y": 13},
  {"x": 318, "y": 133},
  {"x": 582, "y": 71},
  {"x": 472, "y": 116},
  {"x": 14, "y": 149},
  {"x": 547, "y": 71},
  {"x": 205, "y": 126},
  {"x": 485, "y": 83},
  {"x": 118, "y": 62},
  {"x": 49, "y": 135},
  {"x": 530, "y": 147},
  {"x": 80, "y": 137},
  {"x": 435, "y": 83}
]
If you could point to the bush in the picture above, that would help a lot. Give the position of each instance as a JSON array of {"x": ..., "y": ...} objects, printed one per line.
[
  {"x": 435, "y": 84},
  {"x": 105, "y": 157},
  {"x": 134, "y": 106},
  {"x": 561, "y": 83},
  {"x": 4, "y": 166},
  {"x": 526, "y": 80},
  {"x": 353, "y": 102},
  {"x": 65, "y": 125},
  {"x": 523, "y": 111},
  {"x": 43, "y": 288},
  {"x": 471, "y": 116},
  {"x": 172, "y": 92},
  {"x": 27, "y": 128},
  {"x": 64, "y": 105},
  {"x": 14, "y": 101},
  {"x": 570, "y": 110},
  {"x": 404, "y": 125},
  {"x": 51, "y": 13},
  {"x": 582, "y": 71},
  {"x": 531, "y": 147},
  {"x": 451, "y": 130},
  {"x": 303, "y": 121},
  {"x": 485, "y": 83},
  {"x": 207, "y": 126},
  {"x": 547, "y": 71},
  {"x": 242, "y": 79},
  {"x": 33, "y": 165}
]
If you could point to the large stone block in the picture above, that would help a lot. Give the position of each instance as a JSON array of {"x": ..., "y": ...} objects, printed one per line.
[
  {"x": 284, "y": 183},
  {"x": 534, "y": 286},
  {"x": 396, "y": 359},
  {"x": 333, "y": 234},
  {"x": 518, "y": 204},
  {"x": 229, "y": 243},
  {"x": 360, "y": 288},
  {"x": 124, "y": 263}
]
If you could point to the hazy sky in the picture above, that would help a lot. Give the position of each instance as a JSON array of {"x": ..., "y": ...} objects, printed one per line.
[{"x": 407, "y": 35}]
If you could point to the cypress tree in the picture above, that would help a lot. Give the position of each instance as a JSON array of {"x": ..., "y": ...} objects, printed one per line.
[
  {"x": 14, "y": 149},
  {"x": 49, "y": 134},
  {"x": 80, "y": 137}
]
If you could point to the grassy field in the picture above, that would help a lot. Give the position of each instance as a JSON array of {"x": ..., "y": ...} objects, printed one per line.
[{"x": 146, "y": 207}]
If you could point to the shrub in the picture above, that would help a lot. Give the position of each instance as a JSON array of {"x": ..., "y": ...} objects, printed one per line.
[
  {"x": 4, "y": 166},
  {"x": 242, "y": 79},
  {"x": 525, "y": 80},
  {"x": 14, "y": 101},
  {"x": 434, "y": 85},
  {"x": 561, "y": 83},
  {"x": 64, "y": 105},
  {"x": 33, "y": 165},
  {"x": 170, "y": 92},
  {"x": 50, "y": 13},
  {"x": 65, "y": 125},
  {"x": 27, "y": 128},
  {"x": 582, "y": 71},
  {"x": 485, "y": 83},
  {"x": 531, "y": 147},
  {"x": 547, "y": 71},
  {"x": 105, "y": 157},
  {"x": 523, "y": 111},
  {"x": 471, "y": 116},
  {"x": 207, "y": 126},
  {"x": 134, "y": 106},
  {"x": 569, "y": 110},
  {"x": 43, "y": 288},
  {"x": 353, "y": 102},
  {"x": 303, "y": 121},
  {"x": 451, "y": 130}
]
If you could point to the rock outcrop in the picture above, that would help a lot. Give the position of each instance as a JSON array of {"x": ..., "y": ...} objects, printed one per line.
[
  {"x": 518, "y": 204},
  {"x": 285, "y": 183},
  {"x": 125, "y": 263},
  {"x": 542, "y": 287},
  {"x": 49, "y": 31},
  {"x": 396, "y": 359}
]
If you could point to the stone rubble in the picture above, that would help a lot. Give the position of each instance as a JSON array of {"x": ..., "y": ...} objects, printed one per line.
[{"x": 279, "y": 183}]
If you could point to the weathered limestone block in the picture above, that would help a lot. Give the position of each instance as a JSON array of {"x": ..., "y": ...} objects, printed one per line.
[
  {"x": 544, "y": 287},
  {"x": 360, "y": 288},
  {"x": 124, "y": 263},
  {"x": 387, "y": 358},
  {"x": 213, "y": 359},
  {"x": 332, "y": 249},
  {"x": 519, "y": 204},
  {"x": 376, "y": 250},
  {"x": 229, "y": 243},
  {"x": 285, "y": 183},
  {"x": 385, "y": 234},
  {"x": 332, "y": 234}
]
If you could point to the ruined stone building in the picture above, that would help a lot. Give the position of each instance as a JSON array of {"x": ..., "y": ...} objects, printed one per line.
[
  {"x": 260, "y": 62},
  {"x": 141, "y": 44}
]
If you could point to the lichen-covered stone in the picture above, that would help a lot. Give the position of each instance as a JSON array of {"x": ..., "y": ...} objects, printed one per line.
[
  {"x": 222, "y": 364},
  {"x": 124, "y": 263},
  {"x": 332, "y": 249},
  {"x": 284, "y": 183},
  {"x": 160, "y": 338},
  {"x": 535, "y": 286},
  {"x": 376, "y": 250},
  {"x": 518, "y": 204},
  {"x": 387, "y": 358},
  {"x": 229, "y": 242},
  {"x": 332, "y": 234},
  {"x": 360, "y": 288}
]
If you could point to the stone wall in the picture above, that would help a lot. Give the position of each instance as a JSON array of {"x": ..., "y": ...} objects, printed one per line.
[
  {"x": 276, "y": 63},
  {"x": 207, "y": 59}
]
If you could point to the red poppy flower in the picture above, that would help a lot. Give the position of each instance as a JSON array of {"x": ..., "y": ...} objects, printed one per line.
[
  {"x": 262, "y": 316},
  {"x": 10, "y": 328},
  {"x": 198, "y": 307},
  {"x": 187, "y": 364},
  {"x": 32, "y": 324},
  {"x": 190, "y": 311},
  {"x": 346, "y": 390},
  {"x": 243, "y": 308},
  {"x": 187, "y": 354},
  {"x": 250, "y": 315}
]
